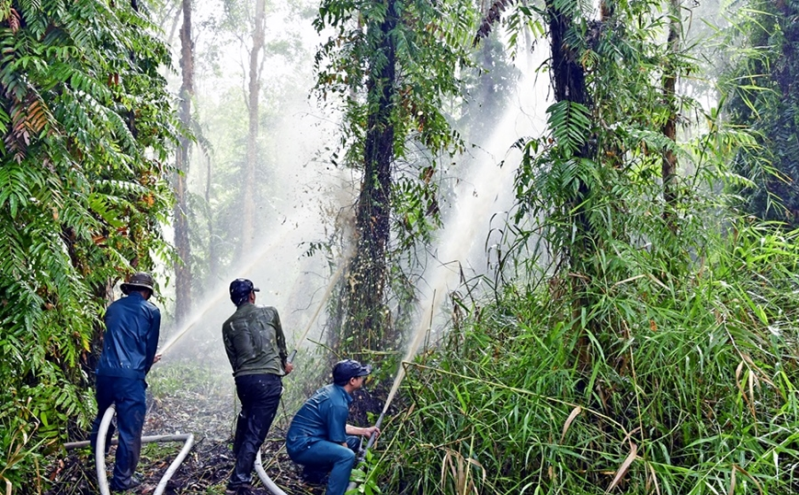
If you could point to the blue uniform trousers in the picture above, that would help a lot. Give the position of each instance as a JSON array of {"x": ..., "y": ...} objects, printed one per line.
[
  {"x": 129, "y": 396},
  {"x": 323, "y": 456}
]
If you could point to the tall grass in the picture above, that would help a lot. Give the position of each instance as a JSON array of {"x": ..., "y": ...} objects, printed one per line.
[{"x": 689, "y": 385}]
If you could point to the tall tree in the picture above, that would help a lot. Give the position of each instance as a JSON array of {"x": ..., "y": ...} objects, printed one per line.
[
  {"x": 366, "y": 311},
  {"x": 182, "y": 265},
  {"x": 86, "y": 123},
  {"x": 610, "y": 129},
  {"x": 392, "y": 62},
  {"x": 253, "y": 95},
  {"x": 572, "y": 106},
  {"x": 213, "y": 258}
]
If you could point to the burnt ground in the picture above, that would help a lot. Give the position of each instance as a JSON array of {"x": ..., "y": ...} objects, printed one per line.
[{"x": 207, "y": 412}]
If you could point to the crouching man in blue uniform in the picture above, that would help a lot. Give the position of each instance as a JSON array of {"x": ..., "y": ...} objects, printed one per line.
[
  {"x": 319, "y": 437},
  {"x": 132, "y": 327}
]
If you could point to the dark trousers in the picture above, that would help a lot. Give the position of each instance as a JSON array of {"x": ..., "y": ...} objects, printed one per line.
[
  {"x": 129, "y": 396},
  {"x": 259, "y": 396}
]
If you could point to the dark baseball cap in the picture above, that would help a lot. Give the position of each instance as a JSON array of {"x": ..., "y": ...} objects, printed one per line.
[
  {"x": 241, "y": 287},
  {"x": 349, "y": 368}
]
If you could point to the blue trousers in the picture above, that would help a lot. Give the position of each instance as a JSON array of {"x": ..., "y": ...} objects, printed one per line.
[
  {"x": 326, "y": 456},
  {"x": 259, "y": 396},
  {"x": 129, "y": 396}
]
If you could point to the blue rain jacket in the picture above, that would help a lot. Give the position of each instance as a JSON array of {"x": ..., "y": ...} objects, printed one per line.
[
  {"x": 322, "y": 417},
  {"x": 133, "y": 325}
]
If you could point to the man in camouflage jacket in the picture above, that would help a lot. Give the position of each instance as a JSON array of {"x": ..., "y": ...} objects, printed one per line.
[{"x": 256, "y": 348}]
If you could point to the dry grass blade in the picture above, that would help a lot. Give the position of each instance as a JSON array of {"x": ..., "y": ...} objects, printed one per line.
[
  {"x": 752, "y": 364},
  {"x": 752, "y": 393},
  {"x": 654, "y": 480},
  {"x": 749, "y": 398},
  {"x": 575, "y": 412},
  {"x": 655, "y": 280},
  {"x": 630, "y": 279},
  {"x": 446, "y": 463},
  {"x": 630, "y": 434},
  {"x": 459, "y": 470},
  {"x": 732, "y": 482},
  {"x": 736, "y": 467},
  {"x": 624, "y": 467}
]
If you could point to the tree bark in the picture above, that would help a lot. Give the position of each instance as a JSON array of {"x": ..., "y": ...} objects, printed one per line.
[
  {"x": 367, "y": 315},
  {"x": 183, "y": 276},
  {"x": 248, "y": 216}
]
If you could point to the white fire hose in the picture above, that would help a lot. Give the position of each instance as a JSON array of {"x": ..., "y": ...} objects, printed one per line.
[{"x": 102, "y": 479}]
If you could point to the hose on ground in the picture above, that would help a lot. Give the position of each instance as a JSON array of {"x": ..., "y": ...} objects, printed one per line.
[
  {"x": 102, "y": 480},
  {"x": 265, "y": 479}
]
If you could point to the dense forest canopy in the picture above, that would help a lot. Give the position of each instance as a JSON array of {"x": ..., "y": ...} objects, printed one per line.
[{"x": 618, "y": 314}]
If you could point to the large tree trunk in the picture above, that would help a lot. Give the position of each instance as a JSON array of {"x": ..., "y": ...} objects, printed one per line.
[
  {"x": 183, "y": 277},
  {"x": 366, "y": 325},
  {"x": 248, "y": 220},
  {"x": 669, "y": 165},
  {"x": 568, "y": 78}
]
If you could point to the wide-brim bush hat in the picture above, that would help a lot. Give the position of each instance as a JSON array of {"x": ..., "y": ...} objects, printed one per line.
[{"x": 138, "y": 281}]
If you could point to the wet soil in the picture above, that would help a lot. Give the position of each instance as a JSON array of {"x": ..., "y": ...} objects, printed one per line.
[{"x": 210, "y": 417}]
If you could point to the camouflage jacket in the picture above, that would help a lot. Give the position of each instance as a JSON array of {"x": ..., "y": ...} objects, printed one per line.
[{"x": 254, "y": 341}]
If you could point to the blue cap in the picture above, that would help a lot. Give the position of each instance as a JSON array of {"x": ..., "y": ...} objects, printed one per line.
[
  {"x": 344, "y": 370},
  {"x": 240, "y": 289}
]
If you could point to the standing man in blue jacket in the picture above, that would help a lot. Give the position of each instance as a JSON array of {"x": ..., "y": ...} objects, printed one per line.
[
  {"x": 256, "y": 349},
  {"x": 319, "y": 437},
  {"x": 132, "y": 328}
]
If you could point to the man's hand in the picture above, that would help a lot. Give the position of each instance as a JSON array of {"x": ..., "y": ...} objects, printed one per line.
[
  {"x": 156, "y": 358},
  {"x": 368, "y": 432},
  {"x": 289, "y": 368}
]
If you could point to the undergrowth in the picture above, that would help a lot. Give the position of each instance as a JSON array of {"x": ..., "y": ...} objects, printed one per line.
[{"x": 689, "y": 387}]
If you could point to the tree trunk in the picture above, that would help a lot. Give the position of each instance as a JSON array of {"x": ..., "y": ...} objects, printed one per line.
[
  {"x": 568, "y": 78},
  {"x": 213, "y": 262},
  {"x": 183, "y": 278},
  {"x": 366, "y": 325},
  {"x": 248, "y": 220},
  {"x": 669, "y": 165}
]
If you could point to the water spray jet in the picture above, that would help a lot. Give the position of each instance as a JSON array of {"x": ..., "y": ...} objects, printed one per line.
[
  {"x": 421, "y": 330},
  {"x": 210, "y": 305},
  {"x": 333, "y": 280}
]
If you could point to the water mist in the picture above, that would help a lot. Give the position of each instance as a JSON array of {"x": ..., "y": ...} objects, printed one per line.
[{"x": 483, "y": 195}]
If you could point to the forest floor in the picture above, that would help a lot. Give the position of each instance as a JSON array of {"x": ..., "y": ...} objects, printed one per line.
[{"x": 209, "y": 415}]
